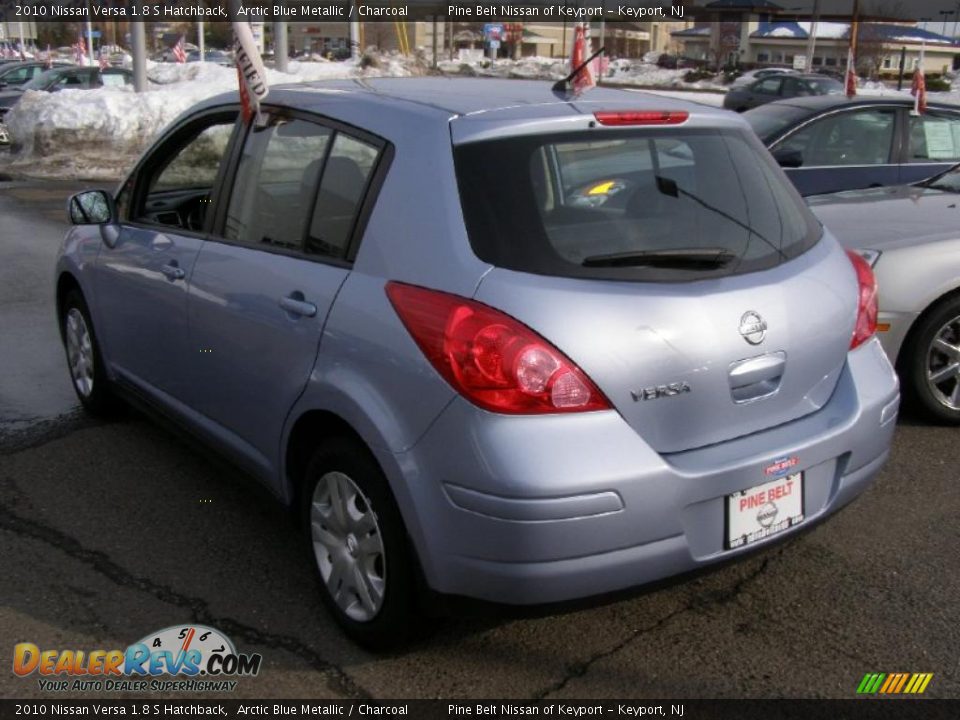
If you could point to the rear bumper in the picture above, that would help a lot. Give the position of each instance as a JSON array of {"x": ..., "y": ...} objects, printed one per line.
[{"x": 526, "y": 510}]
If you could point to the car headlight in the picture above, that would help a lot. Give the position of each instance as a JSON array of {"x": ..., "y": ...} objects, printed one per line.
[{"x": 871, "y": 256}]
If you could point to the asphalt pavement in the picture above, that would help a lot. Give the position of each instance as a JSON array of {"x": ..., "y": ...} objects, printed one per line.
[{"x": 109, "y": 531}]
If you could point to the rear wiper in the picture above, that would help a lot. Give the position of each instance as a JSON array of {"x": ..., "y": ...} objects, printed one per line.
[{"x": 681, "y": 258}]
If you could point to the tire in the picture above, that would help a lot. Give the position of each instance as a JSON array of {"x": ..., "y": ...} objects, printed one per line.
[
  {"x": 363, "y": 558},
  {"x": 84, "y": 361},
  {"x": 930, "y": 362}
]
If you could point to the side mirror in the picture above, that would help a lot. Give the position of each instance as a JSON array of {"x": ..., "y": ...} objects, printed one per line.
[
  {"x": 788, "y": 158},
  {"x": 93, "y": 207}
]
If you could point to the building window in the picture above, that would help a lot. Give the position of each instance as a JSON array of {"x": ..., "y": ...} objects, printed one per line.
[
  {"x": 778, "y": 57},
  {"x": 817, "y": 60},
  {"x": 763, "y": 57},
  {"x": 831, "y": 62},
  {"x": 888, "y": 63},
  {"x": 788, "y": 59}
]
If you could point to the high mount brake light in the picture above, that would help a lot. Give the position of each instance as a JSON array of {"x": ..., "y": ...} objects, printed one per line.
[
  {"x": 491, "y": 359},
  {"x": 641, "y": 117},
  {"x": 866, "y": 301}
]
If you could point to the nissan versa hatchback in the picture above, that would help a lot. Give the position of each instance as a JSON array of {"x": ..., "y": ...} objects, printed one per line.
[{"x": 491, "y": 340}]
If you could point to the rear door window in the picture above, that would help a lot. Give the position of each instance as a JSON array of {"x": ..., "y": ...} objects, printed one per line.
[
  {"x": 300, "y": 186},
  {"x": 768, "y": 86},
  {"x": 684, "y": 204},
  {"x": 934, "y": 138}
]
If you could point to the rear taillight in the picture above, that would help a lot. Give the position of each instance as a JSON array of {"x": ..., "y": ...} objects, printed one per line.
[
  {"x": 866, "y": 301},
  {"x": 641, "y": 117},
  {"x": 491, "y": 359}
]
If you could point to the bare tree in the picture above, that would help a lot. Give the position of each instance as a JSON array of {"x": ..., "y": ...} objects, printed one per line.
[{"x": 872, "y": 48}]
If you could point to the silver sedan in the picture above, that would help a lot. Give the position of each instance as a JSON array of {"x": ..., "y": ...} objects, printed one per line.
[{"x": 911, "y": 236}]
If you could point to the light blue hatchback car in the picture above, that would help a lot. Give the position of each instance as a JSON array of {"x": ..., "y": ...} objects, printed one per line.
[{"x": 492, "y": 340}]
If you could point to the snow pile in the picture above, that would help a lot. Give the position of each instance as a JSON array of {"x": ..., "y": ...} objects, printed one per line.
[
  {"x": 99, "y": 134},
  {"x": 620, "y": 72}
]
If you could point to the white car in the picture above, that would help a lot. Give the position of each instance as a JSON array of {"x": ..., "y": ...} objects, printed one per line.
[
  {"x": 751, "y": 75},
  {"x": 910, "y": 234}
]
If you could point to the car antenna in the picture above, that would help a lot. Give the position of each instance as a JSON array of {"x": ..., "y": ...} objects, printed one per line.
[{"x": 561, "y": 86}]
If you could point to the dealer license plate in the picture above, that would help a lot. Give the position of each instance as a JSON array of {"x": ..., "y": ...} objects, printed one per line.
[{"x": 764, "y": 510}]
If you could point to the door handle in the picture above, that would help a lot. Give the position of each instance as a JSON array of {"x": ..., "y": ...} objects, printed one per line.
[
  {"x": 296, "y": 305},
  {"x": 172, "y": 271}
]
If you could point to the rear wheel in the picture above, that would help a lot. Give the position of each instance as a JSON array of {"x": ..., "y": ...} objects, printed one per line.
[
  {"x": 84, "y": 361},
  {"x": 359, "y": 545},
  {"x": 931, "y": 362}
]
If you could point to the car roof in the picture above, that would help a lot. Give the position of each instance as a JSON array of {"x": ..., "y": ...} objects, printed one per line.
[
  {"x": 819, "y": 103},
  {"x": 465, "y": 96}
]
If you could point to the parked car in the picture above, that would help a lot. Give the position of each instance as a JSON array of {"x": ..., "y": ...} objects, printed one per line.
[
  {"x": 212, "y": 56},
  {"x": 63, "y": 78},
  {"x": 911, "y": 236},
  {"x": 392, "y": 304},
  {"x": 19, "y": 73},
  {"x": 751, "y": 76},
  {"x": 828, "y": 144},
  {"x": 778, "y": 87}
]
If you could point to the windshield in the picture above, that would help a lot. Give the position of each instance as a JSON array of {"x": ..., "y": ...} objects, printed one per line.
[
  {"x": 43, "y": 80},
  {"x": 667, "y": 205},
  {"x": 769, "y": 120}
]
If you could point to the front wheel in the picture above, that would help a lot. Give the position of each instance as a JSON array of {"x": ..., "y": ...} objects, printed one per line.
[
  {"x": 932, "y": 362},
  {"x": 84, "y": 360},
  {"x": 359, "y": 545}
]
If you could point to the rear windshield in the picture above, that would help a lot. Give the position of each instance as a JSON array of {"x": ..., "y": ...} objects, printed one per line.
[
  {"x": 769, "y": 120},
  {"x": 663, "y": 205}
]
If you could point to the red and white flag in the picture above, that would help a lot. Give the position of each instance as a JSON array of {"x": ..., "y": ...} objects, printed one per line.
[
  {"x": 179, "y": 54},
  {"x": 851, "y": 76},
  {"x": 919, "y": 87},
  {"x": 250, "y": 71},
  {"x": 584, "y": 79},
  {"x": 49, "y": 58}
]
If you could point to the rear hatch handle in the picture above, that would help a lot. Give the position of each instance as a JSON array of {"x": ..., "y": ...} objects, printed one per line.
[{"x": 756, "y": 377}]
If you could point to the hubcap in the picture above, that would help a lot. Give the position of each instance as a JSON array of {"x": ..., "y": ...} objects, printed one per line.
[
  {"x": 943, "y": 365},
  {"x": 79, "y": 352},
  {"x": 348, "y": 546}
]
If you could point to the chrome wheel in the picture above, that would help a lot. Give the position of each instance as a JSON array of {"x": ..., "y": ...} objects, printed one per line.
[
  {"x": 348, "y": 546},
  {"x": 79, "y": 352},
  {"x": 943, "y": 365}
]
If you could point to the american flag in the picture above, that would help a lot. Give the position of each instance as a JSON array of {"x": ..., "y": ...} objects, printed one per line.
[
  {"x": 80, "y": 51},
  {"x": 919, "y": 87},
  {"x": 178, "y": 52},
  {"x": 23, "y": 55},
  {"x": 49, "y": 59}
]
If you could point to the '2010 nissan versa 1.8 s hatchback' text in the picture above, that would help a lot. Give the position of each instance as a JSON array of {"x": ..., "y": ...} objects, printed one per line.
[{"x": 513, "y": 345}]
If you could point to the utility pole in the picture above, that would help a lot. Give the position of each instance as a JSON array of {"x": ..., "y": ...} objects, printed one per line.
[
  {"x": 435, "y": 26},
  {"x": 854, "y": 32},
  {"x": 812, "y": 41},
  {"x": 89, "y": 35},
  {"x": 138, "y": 38},
  {"x": 280, "y": 45},
  {"x": 354, "y": 35}
]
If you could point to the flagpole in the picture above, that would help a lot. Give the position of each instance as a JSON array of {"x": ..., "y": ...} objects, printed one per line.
[
  {"x": 89, "y": 35},
  {"x": 200, "y": 39}
]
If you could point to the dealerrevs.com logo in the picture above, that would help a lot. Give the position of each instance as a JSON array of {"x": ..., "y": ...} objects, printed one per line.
[{"x": 178, "y": 658}]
